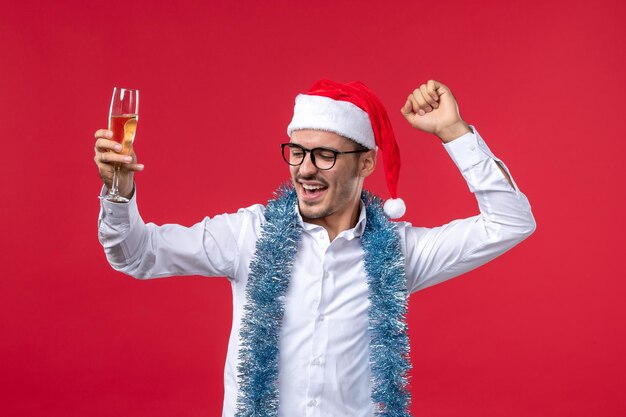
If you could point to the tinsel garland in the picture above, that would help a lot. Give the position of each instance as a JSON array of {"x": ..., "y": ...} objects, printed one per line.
[
  {"x": 389, "y": 341},
  {"x": 270, "y": 271}
]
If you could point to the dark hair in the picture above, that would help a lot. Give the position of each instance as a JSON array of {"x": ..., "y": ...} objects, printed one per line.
[{"x": 360, "y": 147}]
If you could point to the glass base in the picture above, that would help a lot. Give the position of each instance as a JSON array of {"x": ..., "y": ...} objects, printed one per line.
[{"x": 115, "y": 198}]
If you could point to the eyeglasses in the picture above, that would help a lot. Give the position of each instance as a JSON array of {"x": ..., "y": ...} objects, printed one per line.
[{"x": 322, "y": 158}]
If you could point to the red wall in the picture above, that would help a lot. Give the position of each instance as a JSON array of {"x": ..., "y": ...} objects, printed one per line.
[{"x": 538, "y": 332}]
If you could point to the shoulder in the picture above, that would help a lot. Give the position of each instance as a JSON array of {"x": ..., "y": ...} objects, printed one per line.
[
  {"x": 255, "y": 210},
  {"x": 248, "y": 219},
  {"x": 254, "y": 214},
  {"x": 402, "y": 227},
  {"x": 411, "y": 236}
]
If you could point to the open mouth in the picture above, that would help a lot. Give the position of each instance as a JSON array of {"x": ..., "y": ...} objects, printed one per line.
[{"x": 311, "y": 192}]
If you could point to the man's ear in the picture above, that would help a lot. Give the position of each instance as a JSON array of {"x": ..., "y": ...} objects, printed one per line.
[{"x": 367, "y": 163}]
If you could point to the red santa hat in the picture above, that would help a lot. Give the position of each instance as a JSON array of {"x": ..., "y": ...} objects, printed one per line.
[{"x": 353, "y": 111}]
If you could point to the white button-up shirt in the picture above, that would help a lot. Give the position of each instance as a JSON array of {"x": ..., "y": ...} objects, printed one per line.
[{"x": 324, "y": 342}]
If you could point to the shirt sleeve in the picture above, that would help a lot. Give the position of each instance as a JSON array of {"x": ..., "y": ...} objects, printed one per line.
[
  {"x": 434, "y": 255},
  {"x": 209, "y": 248}
]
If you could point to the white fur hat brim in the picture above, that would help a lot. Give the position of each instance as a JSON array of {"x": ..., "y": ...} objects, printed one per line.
[{"x": 340, "y": 117}]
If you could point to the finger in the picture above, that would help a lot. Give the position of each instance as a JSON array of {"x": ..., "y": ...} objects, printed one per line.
[
  {"x": 415, "y": 107},
  {"x": 436, "y": 85},
  {"x": 423, "y": 107},
  {"x": 108, "y": 168},
  {"x": 432, "y": 89},
  {"x": 407, "y": 109},
  {"x": 102, "y": 165},
  {"x": 135, "y": 167},
  {"x": 103, "y": 145},
  {"x": 428, "y": 97},
  {"x": 114, "y": 158},
  {"x": 440, "y": 88},
  {"x": 103, "y": 133}
]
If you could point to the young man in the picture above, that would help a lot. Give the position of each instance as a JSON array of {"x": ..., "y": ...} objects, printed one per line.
[{"x": 320, "y": 275}]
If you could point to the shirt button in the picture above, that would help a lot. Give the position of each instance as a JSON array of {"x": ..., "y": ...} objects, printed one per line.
[
  {"x": 110, "y": 211},
  {"x": 312, "y": 403},
  {"x": 473, "y": 148},
  {"x": 322, "y": 235},
  {"x": 321, "y": 317},
  {"x": 317, "y": 361}
]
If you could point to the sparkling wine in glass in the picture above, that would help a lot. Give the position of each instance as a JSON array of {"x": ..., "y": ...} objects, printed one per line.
[{"x": 123, "y": 117}]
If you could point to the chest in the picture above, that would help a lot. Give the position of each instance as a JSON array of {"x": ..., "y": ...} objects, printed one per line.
[{"x": 328, "y": 282}]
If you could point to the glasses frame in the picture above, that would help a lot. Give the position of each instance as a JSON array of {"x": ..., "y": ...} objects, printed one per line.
[{"x": 312, "y": 153}]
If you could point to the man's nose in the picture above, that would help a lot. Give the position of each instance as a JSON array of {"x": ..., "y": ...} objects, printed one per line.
[{"x": 307, "y": 166}]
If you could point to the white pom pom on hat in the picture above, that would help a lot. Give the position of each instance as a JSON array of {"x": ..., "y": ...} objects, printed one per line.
[
  {"x": 353, "y": 111},
  {"x": 394, "y": 208}
]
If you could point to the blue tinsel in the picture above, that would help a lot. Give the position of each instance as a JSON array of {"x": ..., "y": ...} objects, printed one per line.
[
  {"x": 268, "y": 280},
  {"x": 389, "y": 341}
]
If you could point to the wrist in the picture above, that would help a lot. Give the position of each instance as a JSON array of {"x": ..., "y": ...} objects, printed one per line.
[
  {"x": 453, "y": 131},
  {"x": 128, "y": 191}
]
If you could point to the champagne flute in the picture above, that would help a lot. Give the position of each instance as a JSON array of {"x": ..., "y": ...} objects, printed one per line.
[{"x": 123, "y": 116}]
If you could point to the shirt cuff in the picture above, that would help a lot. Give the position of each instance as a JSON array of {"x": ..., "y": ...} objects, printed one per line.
[
  {"x": 469, "y": 150},
  {"x": 116, "y": 213}
]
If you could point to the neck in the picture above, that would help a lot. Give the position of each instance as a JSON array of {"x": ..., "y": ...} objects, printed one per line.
[{"x": 338, "y": 222}]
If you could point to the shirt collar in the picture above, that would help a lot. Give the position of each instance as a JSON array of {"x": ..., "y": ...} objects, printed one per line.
[{"x": 349, "y": 234}]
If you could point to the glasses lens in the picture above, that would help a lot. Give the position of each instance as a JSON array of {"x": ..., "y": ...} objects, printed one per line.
[
  {"x": 292, "y": 154},
  {"x": 324, "y": 158}
]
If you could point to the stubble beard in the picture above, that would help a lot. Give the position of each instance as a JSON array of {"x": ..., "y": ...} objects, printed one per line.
[
  {"x": 320, "y": 210},
  {"x": 344, "y": 194}
]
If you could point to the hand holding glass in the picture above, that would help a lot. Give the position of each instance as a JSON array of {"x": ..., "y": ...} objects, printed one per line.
[{"x": 123, "y": 116}]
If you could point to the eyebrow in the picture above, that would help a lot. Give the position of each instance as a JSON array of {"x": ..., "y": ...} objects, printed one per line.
[{"x": 317, "y": 147}]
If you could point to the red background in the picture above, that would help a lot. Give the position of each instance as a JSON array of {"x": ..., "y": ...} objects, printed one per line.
[{"x": 537, "y": 332}]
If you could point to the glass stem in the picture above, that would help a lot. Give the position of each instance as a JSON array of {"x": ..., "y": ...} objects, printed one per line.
[{"x": 116, "y": 178}]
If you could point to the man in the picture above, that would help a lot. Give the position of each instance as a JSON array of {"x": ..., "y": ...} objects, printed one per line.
[{"x": 320, "y": 275}]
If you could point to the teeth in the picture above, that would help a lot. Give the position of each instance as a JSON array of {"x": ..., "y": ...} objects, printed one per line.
[{"x": 312, "y": 187}]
